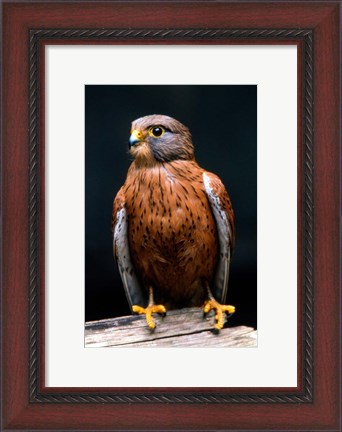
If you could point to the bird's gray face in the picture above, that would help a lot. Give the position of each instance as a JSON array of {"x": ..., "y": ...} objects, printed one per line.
[{"x": 159, "y": 138}]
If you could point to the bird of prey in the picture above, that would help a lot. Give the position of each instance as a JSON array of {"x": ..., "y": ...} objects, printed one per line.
[{"x": 173, "y": 225}]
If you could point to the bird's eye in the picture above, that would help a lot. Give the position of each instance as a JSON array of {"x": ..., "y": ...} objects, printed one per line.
[{"x": 157, "y": 131}]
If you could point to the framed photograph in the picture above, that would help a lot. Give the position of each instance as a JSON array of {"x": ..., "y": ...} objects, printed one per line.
[{"x": 257, "y": 87}]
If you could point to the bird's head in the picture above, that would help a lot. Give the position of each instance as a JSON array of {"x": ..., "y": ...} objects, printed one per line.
[{"x": 159, "y": 138}]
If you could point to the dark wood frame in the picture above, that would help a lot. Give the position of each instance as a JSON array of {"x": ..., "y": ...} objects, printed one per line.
[{"x": 27, "y": 403}]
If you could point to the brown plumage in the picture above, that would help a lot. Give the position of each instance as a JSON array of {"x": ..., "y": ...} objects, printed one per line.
[{"x": 173, "y": 224}]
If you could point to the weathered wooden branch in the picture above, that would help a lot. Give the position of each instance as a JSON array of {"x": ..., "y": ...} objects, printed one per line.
[{"x": 180, "y": 328}]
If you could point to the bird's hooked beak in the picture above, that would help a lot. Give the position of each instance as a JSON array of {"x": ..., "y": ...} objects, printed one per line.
[{"x": 136, "y": 137}]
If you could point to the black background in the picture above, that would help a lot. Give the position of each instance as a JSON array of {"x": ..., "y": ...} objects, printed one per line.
[{"x": 223, "y": 123}]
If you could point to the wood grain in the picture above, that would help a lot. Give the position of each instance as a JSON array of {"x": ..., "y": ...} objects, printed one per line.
[
  {"x": 180, "y": 328},
  {"x": 18, "y": 413}
]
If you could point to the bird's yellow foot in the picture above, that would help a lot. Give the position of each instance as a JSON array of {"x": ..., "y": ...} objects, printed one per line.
[
  {"x": 148, "y": 311},
  {"x": 220, "y": 310}
]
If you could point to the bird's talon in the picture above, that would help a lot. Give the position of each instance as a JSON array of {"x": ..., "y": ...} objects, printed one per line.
[
  {"x": 228, "y": 309},
  {"x": 207, "y": 307},
  {"x": 152, "y": 327},
  {"x": 138, "y": 310},
  {"x": 221, "y": 311},
  {"x": 148, "y": 311}
]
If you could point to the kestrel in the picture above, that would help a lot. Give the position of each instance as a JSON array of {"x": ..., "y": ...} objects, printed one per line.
[{"x": 173, "y": 225}]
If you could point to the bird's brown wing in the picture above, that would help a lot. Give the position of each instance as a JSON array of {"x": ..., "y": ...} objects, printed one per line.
[
  {"x": 135, "y": 293},
  {"x": 224, "y": 216}
]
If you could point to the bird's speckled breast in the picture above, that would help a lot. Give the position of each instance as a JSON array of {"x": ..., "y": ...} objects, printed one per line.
[{"x": 171, "y": 230}]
